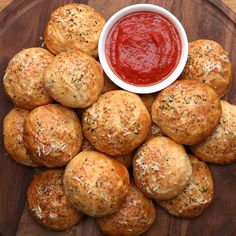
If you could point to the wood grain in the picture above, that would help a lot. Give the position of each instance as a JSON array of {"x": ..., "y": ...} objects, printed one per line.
[
  {"x": 22, "y": 25},
  {"x": 4, "y": 3},
  {"x": 230, "y": 3}
]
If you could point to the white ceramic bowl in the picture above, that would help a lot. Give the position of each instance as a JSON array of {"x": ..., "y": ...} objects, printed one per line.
[{"x": 143, "y": 89}]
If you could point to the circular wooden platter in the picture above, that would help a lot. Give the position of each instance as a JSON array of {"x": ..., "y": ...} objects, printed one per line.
[{"x": 21, "y": 26}]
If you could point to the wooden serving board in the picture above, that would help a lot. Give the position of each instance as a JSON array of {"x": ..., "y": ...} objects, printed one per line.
[{"x": 21, "y": 26}]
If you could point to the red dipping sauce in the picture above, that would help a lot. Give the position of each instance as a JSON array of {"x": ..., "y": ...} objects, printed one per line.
[{"x": 143, "y": 48}]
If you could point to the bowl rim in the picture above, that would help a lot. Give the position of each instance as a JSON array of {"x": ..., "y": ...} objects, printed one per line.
[{"x": 175, "y": 73}]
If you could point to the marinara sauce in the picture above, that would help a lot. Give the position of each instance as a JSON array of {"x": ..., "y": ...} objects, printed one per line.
[{"x": 143, "y": 48}]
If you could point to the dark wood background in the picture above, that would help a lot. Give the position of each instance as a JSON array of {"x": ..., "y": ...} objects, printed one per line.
[{"x": 21, "y": 26}]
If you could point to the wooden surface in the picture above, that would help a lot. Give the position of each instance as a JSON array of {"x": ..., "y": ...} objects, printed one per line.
[
  {"x": 4, "y": 3},
  {"x": 21, "y": 26},
  {"x": 230, "y": 3}
]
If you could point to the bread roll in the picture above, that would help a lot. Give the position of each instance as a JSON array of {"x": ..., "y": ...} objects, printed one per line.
[
  {"x": 74, "y": 79},
  {"x": 13, "y": 129},
  {"x": 52, "y": 135},
  {"x": 95, "y": 183},
  {"x": 74, "y": 26},
  {"x": 24, "y": 78},
  {"x": 220, "y": 146},
  {"x": 154, "y": 131},
  {"x": 126, "y": 160},
  {"x": 196, "y": 197},
  {"x": 117, "y": 123},
  {"x": 134, "y": 217},
  {"x": 161, "y": 168},
  {"x": 187, "y": 111},
  {"x": 208, "y": 62},
  {"x": 47, "y": 202}
]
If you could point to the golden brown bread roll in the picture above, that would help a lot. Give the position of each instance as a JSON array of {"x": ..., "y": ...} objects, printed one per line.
[
  {"x": 154, "y": 132},
  {"x": 161, "y": 168},
  {"x": 24, "y": 78},
  {"x": 13, "y": 129},
  {"x": 196, "y": 197},
  {"x": 47, "y": 202},
  {"x": 126, "y": 160},
  {"x": 220, "y": 146},
  {"x": 208, "y": 62},
  {"x": 117, "y": 123},
  {"x": 74, "y": 79},
  {"x": 74, "y": 26},
  {"x": 187, "y": 111},
  {"x": 95, "y": 183},
  {"x": 134, "y": 217},
  {"x": 52, "y": 135}
]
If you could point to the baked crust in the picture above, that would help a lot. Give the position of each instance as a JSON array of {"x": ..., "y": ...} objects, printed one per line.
[
  {"x": 208, "y": 62},
  {"x": 196, "y": 197},
  {"x": 13, "y": 129},
  {"x": 74, "y": 79},
  {"x": 24, "y": 78},
  {"x": 134, "y": 217},
  {"x": 187, "y": 111},
  {"x": 52, "y": 135},
  {"x": 126, "y": 160},
  {"x": 220, "y": 146},
  {"x": 74, "y": 26},
  {"x": 161, "y": 168},
  {"x": 47, "y": 202},
  {"x": 154, "y": 132},
  {"x": 96, "y": 184},
  {"x": 117, "y": 123}
]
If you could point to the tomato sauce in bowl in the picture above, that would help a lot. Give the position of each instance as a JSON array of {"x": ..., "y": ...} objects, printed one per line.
[{"x": 143, "y": 48}]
